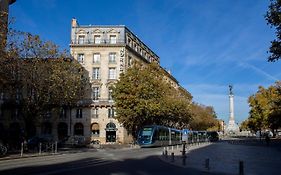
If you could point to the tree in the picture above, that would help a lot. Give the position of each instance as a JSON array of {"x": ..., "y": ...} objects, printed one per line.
[
  {"x": 265, "y": 108},
  {"x": 40, "y": 77},
  {"x": 273, "y": 17},
  {"x": 244, "y": 126},
  {"x": 142, "y": 96},
  {"x": 203, "y": 117}
]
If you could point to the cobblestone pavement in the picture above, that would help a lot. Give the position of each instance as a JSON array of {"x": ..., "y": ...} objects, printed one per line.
[{"x": 224, "y": 158}]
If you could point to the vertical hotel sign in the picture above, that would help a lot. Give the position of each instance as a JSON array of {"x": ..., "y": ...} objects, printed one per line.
[{"x": 122, "y": 58}]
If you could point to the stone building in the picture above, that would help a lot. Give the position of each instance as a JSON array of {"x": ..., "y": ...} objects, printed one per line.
[{"x": 105, "y": 52}]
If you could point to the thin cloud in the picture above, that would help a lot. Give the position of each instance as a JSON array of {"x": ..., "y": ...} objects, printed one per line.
[{"x": 258, "y": 70}]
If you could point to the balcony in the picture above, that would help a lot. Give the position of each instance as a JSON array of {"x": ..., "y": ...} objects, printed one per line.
[
  {"x": 101, "y": 42},
  {"x": 101, "y": 102}
]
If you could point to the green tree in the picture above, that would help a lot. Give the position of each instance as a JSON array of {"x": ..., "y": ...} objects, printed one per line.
[
  {"x": 273, "y": 17},
  {"x": 143, "y": 96}
]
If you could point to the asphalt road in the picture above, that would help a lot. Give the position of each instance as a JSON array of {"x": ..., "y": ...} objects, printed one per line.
[{"x": 102, "y": 162}]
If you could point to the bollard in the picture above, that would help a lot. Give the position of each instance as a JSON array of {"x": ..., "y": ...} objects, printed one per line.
[
  {"x": 52, "y": 148},
  {"x": 173, "y": 157},
  {"x": 21, "y": 151},
  {"x": 40, "y": 146},
  {"x": 183, "y": 154},
  {"x": 207, "y": 164},
  {"x": 183, "y": 148},
  {"x": 183, "y": 159},
  {"x": 241, "y": 168},
  {"x": 56, "y": 147}
]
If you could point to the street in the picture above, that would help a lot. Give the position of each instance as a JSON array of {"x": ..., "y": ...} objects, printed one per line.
[
  {"x": 224, "y": 157},
  {"x": 124, "y": 161}
]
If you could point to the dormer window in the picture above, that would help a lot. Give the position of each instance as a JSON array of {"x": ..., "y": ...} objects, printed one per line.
[
  {"x": 97, "y": 39},
  {"x": 81, "y": 39},
  {"x": 112, "y": 39}
]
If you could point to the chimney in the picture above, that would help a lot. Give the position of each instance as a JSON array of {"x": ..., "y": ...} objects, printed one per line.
[{"x": 74, "y": 22}]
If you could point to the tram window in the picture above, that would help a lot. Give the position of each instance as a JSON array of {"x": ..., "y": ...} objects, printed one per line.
[
  {"x": 173, "y": 137},
  {"x": 156, "y": 134},
  {"x": 147, "y": 131}
]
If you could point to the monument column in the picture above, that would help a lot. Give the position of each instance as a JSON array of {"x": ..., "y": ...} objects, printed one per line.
[
  {"x": 232, "y": 126},
  {"x": 231, "y": 106}
]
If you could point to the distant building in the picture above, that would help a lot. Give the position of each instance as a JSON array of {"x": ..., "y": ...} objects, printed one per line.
[{"x": 105, "y": 52}]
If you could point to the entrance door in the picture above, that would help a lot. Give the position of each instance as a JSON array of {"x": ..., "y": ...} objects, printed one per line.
[{"x": 110, "y": 136}]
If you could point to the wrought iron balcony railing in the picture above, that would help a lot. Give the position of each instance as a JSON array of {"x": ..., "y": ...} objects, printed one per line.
[{"x": 98, "y": 42}]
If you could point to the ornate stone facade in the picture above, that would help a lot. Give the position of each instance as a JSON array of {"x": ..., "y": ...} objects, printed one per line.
[{"x": 105, "y": 52}]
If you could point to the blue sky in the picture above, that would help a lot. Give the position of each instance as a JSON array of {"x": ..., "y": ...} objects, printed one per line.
[{"x": 207, "y": 44}]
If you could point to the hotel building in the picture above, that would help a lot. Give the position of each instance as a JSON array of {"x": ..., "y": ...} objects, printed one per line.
[{"x": 105, "y": 52}]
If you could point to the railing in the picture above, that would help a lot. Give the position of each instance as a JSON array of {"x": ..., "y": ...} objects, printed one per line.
[
  {"x": 99, "y": 102},
  {"x": 99, "y": 42}
]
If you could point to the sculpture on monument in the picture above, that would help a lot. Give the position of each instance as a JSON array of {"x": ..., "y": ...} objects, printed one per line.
[{"x": 232, "y": 127}]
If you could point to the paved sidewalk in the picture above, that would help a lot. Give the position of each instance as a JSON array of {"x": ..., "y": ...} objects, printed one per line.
[
  {"x": 69, "y": 151},
  {"x": 224, "y": 158}
]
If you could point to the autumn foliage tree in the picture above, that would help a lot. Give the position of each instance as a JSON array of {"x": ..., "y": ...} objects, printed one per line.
[
  {"x": 265, "y": 108},
  {"x": 39, "y": 77},
  {"x": 203, "y": 117}
]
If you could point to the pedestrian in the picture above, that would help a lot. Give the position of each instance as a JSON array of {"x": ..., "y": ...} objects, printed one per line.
[{"x": 267, "y": 139}]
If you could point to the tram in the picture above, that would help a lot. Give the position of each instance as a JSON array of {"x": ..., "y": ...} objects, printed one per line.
[{"x": 155, "y": 135}]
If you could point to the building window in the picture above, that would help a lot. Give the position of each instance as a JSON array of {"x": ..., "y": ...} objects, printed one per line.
[
  {"x": 96, "y": 58},
  {"x": 79, "y": 113},
  {"x": 96, "y": 93},
  {"x": 129, "y": 42},
  {"x": 96, "y": 73},
  {"x": 81, "y": 39},
  {"x": 95, "y": 113},
  {"x": 80, "y": 58},
  {"x": 110, "y": 94},
  {"x": 62, "y": 113},
  {"x": 130, "y": 61},
  {"x": 47, "y": 114},
  {"x": 62, "y": 130},
  {"x": 112, "y": 73},
  {"x": 97, "y": 39},
  {"x": 111, "y": 112},
  {"x": 112, "y": 58},
  {"x": 95, "y": 129},
  {"x": 112, "y": 39},
  {"x": 79, "y": 129},
  {"x": 18, "y": 94}
]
